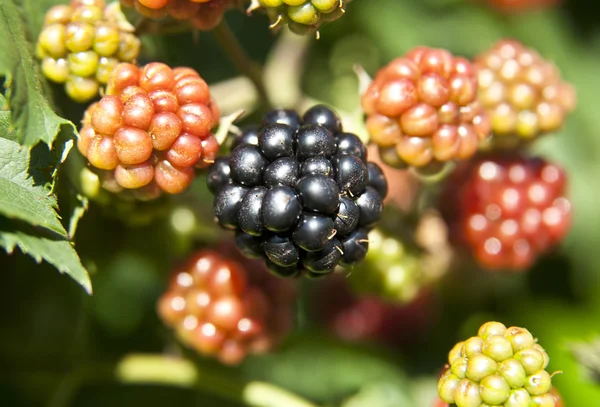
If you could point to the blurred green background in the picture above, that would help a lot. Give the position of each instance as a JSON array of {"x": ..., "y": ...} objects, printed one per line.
[{"x": 58, "y": 346}]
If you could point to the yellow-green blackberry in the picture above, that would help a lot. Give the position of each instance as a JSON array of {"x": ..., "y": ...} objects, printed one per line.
[{"x": 80, "y": 44}]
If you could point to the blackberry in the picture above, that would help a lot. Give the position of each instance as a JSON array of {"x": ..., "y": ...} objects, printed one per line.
[
  {"x": 400, "y": 269},
  {"x": 515, "y": 6},
  {"x": 299, "y": 192},
  {"x": 151, "y": 130},
  {"x": 81, "y": 44},
  {"x": 201, "y": 14},
  {"x": 422, "y": 109},
  {"x": 499, "y": 366},
  {"x": 506, "y": 209},
  {"x": 225, "y": 306},
  {"x": 523, "y": 94},
  {"x": 302, "y": 16},
  {"x": 356, "y": 318}
]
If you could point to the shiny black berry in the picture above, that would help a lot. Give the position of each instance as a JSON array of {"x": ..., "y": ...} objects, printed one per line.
[
  {"x": 218, "y": 175},
  {"x": 276, "y": 140},
  {"x": 247, "y": 165},
  {"x": 250, "y": 246},
  {"x": 324, "y": 261},
  {"x": 282, "y": 171},
  {"x": 354, "y": 247},
  {"x": 227, "y": 203},
  {"x": 347, "y": 217},
  {"x": 281, "y": 271},
  {"x": 370, "y": 205},
  {"x": 318, "y": 193},
  {"x": 281, "y": 208},
  {"x": 351, "y": 174},
  {"x": 317, "y": 165},
  {"x": 314, "y": 140},
  {"x": 249, "y": 136},
  {"x": 377, "y": 179},
  {"x": 313, "y": 232},
  {"x": 249, "y": 213},
  {"x": 283, "y": 116},
  {"x": 323, "y": 116},
  {"x": 350, "y": 144},
  {"x": 281, "y": 250}
]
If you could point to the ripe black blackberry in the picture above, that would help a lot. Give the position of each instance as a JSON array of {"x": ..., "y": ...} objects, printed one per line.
[{"x": 299, "y": 192}]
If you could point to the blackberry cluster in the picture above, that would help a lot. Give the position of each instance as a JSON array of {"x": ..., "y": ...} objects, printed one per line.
[
  {"x": 300, "y": 192},
  {"x": 228, "y": 307},
  {"x": 499, "y": 367},
  {"x": 507, "y": 209},
  {"x": 557, "y": 401},
  {"x": 521, "y": 5},
  {"x": 151, "y": 130},
  {"x": 357, "y": 318},
  {"x": 523, "y": 93},
  {"x": 202, "y": 14},
  {"x": 302, "y": 16},
  {"x": 423, "y": 108},
  {"x": 82, "y": 43},
  {"x": 391, "y": 269}
]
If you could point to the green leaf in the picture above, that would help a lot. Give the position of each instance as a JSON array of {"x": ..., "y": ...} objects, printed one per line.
[
  {"x": 381, "y": 395},
  {"x": 19, "y": 197},
  {"x": 33, "y": 119},
  {"x": 56, "y": 251}
]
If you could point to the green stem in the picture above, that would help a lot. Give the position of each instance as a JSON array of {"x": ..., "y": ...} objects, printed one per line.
[{"x": 240, "y": 59}]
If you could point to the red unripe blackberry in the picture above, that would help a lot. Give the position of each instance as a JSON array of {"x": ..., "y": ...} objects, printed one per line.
[
  {"x": 302, "y": 16},
  {"x": 81, "y": 44},
  {"x": 152, "y": 129},
  {"x": 523, "y": 93},
  {"x": 225, "y": 306},
  {"x": 359, "y": 318},
  {"x": 422, "y": 108},
  {"x": 202, "y": 14},
  {"x": 515, "y": 6},
  {"x": 506, "y": 209}
]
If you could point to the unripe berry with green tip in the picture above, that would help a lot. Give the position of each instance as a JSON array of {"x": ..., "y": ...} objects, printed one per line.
[
  {"x": 302, "y": 16},
  {"x": 81, "y": 43},
  {"x": 499, "y": 367}
]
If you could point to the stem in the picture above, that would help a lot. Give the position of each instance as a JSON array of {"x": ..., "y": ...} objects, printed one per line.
[{"x": 238, "y": 56}]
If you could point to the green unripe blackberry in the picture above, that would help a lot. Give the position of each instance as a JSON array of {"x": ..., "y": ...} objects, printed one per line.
[
  {"x": 498, "y": 367},
  {"x": 80, "y": 44},
  {"x": 302, "y": 16}
]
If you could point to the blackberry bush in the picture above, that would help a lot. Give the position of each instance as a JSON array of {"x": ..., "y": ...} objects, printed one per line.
[
  {"x": 225, "y": 306},
  {"x": 151, "y": 130},
  {"x": 299, "y": 192},
  {"x": 302, "y": 16},
  {"x": 523, "y": 94},
  {"x": 499, "y": 367},
  {"x": 201, "y": 14},
  {"x": 80, "y": 44},
  {"x": 507, "y": 209},
  {"x": 422, "y": 109}
]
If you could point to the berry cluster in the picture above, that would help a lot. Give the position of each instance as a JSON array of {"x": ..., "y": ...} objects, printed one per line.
[
  {"x": 423, "y": 108},
  {"x": 202, "y": 14},
  {"x": 225, "y": 306},
  {"x": 300, "y": 192},
  {"x": 370, "y": 318},
  {"x": 151, "y": 130},
  {"x": 498, "y": 367},
  {"x": 523, "y": 93},
  {"x": 302, "y": 16},
  {"x": 546, "y": 402},
  {"x": 82, "y": 43},
  {"x": 520, "y": 5},
  {"x": 507, "y": 209}
]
